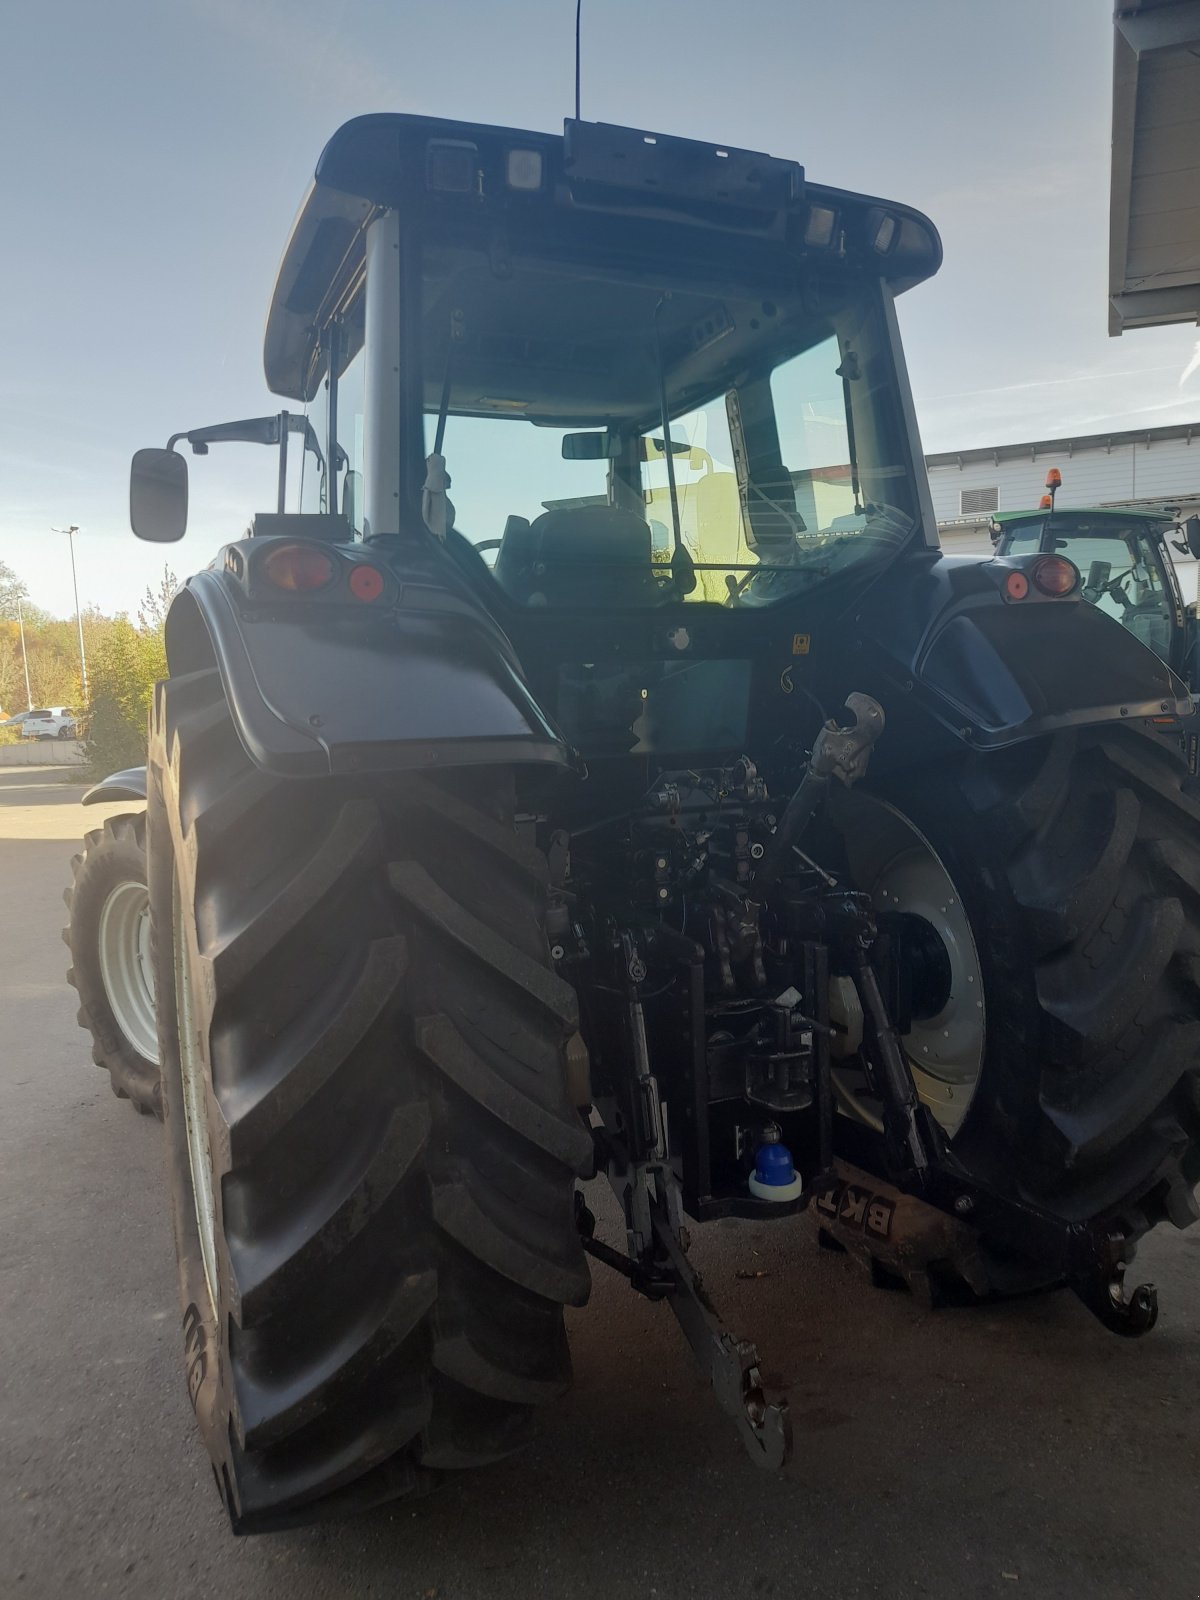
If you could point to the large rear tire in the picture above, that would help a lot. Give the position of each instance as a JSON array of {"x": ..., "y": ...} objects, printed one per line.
[
  {"x": 370, "y": 1144},
  {"x": 1078, "y": 861},
  {"x": 107, "y": 935}
]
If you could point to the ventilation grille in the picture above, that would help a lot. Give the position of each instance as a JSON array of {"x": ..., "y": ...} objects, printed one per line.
[{"x": 978, "y": 502}]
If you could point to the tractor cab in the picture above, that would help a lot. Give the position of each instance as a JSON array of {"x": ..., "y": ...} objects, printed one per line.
[{"x": 608, "y": 370}]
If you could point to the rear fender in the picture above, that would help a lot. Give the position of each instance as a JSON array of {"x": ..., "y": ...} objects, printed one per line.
[
  {"x": 128, "y": 784},
  {"x": 423, "y": 678},
  {"x": 997, "y": 672}
]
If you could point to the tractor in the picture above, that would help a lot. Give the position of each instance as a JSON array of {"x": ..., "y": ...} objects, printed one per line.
[
  {"x": 1125, "y": 565},
  {"x": 599, "y": 772}
]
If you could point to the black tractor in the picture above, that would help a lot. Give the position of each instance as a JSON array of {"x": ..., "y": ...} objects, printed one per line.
[{"x": 603, "y": 773}]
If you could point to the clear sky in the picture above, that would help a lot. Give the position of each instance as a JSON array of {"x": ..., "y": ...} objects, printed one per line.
[{"x": 156, "y": 151}]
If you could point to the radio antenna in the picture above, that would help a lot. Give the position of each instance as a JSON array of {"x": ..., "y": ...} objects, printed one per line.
[{"x": 578, "y": 10}]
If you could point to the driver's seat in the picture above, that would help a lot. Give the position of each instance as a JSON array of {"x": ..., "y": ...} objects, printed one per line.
[{"x": 578, "y": 556}]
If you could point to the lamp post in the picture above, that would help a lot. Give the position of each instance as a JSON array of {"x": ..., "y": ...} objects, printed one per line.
[
  {"x": 24, "y": 657},
  {"x": 70, "y": 533}
]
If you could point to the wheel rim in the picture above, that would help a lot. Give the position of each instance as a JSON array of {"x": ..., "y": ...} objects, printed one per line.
[
  {"x": 893, "y": 862},
  {"x": 195, "y": 1100},
  {"x": 125, "y": 967}
]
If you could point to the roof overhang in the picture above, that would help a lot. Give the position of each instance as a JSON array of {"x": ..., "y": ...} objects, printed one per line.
[
  {"x": 1154, "y": 213},
  {"x": 383, "y": 162}
]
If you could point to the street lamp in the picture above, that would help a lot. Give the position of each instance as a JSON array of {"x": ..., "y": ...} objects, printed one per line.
[
  {"x": 24, "y": 657},
  {"x": 70, "y": 533}
]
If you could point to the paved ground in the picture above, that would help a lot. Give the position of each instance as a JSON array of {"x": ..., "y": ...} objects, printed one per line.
[{"x": 1013, "y": 1452}]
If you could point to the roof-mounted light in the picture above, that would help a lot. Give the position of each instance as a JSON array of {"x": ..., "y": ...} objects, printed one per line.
[
  {"x": 885, "y": 235},
  {"x": 452, "y": 165},
  {"x": 819, "y": 229},
  {"x": 523, "y": 169}
]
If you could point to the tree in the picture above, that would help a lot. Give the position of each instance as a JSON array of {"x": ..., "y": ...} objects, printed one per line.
[
  {"x": 12, "y": 589},
  {"x": 122, "y": 674},
  {"x": 156, "y": 602}
]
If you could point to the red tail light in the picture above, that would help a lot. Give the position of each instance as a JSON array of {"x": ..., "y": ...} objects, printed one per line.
[
  {"x": 366, "y": 583},
  {"x": 298, "y": 567},
  {"x": 1016, "y": 586}
]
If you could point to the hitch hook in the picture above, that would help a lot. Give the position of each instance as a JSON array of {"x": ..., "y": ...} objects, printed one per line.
[{"x": 1105, "y": 1298}]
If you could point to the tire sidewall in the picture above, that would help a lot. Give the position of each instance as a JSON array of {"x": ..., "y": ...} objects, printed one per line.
[{"x": 204, "y": 1357}]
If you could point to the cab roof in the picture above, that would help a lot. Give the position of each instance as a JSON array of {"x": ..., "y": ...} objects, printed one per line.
[
  {"x": 431, "y": 170},
  {"x": 1008, "y": 519}
]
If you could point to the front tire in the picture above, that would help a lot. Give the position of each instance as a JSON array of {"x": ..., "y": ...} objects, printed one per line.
[
  {"x": 371, "y": 1148},
  {"x": 107, "y": 934}
]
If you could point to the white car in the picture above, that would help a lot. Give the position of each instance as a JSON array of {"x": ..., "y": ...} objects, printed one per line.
[{"x": 53, "y": 722}]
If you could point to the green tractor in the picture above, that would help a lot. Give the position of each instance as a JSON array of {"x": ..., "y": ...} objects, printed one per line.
[
  {"x": 663, "y": 808},
  {"x": 1126, "y": 570}
]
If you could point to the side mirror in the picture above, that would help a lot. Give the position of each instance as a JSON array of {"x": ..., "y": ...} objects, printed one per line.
[
  {"x": 1191, "y": 532},
  {"x": 158, "y": 496},
  {"x": 1099, "y": 572},
  {"x": 698, "y": 460},
  {"x": 590, "y": 446}
]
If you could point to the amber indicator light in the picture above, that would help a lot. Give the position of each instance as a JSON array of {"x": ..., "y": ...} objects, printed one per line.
[
  {"x": 366, "y": 583},
  {"x": 298, "y": 567},
  {"x": 1055, "y": 575}
]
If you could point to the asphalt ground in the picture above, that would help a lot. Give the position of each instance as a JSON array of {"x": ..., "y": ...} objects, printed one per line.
[{"x": 1019, "y": 1450}]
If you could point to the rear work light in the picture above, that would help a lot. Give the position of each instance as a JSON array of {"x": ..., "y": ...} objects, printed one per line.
[
  {"x": 1055, "y": 575},
  {"x": 452, "y": 165},
  {"x": 523, "y": 169},
  {"x": 818, "y": 231},
  {"x": 298, "y": 568},
  {"x": 885, "y": 235}
]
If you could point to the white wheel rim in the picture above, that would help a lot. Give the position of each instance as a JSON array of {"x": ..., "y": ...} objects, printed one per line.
[
  {"x": 125, "y": 967},
  {"x": 195, "y": 1100},
  {"x": 892, "y": 861}
]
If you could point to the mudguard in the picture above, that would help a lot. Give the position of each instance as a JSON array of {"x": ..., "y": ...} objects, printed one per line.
[
  {"x": 997, "y": 671},
  {"x": 128, "y": 784},
  {"x": 421, "y": 678}
]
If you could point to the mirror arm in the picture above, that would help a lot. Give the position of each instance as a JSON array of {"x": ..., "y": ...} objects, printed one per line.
[
  {"x": 258, "y": 430},
  {"x": 281, "y": 491}
]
